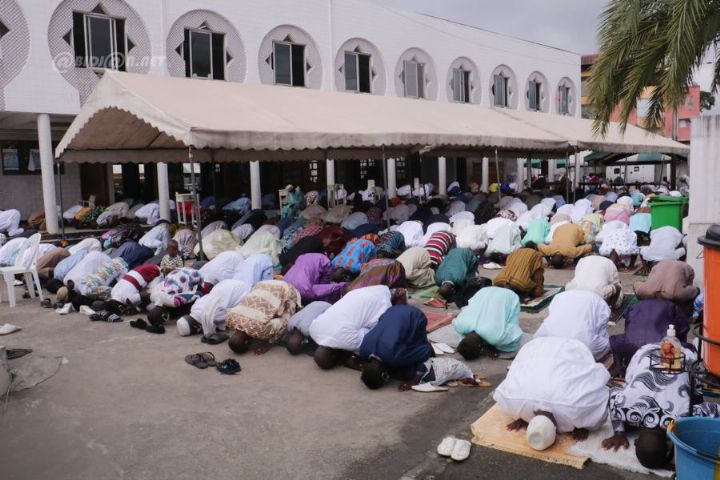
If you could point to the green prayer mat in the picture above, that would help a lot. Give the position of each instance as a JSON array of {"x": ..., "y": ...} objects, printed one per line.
[{"x": 538, "y": 304}]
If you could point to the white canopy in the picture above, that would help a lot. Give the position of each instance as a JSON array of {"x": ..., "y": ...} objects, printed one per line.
[{"x": 144, "y": 118}]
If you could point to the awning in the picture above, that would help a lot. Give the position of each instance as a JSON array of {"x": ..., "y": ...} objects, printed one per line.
[
  {"x": 162, "y": 116},
  {"x": 145, "y": 118},
  {"x": 579, "y": 134}
]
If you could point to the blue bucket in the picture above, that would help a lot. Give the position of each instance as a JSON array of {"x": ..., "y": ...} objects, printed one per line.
[{"x": 697, "y": 446}]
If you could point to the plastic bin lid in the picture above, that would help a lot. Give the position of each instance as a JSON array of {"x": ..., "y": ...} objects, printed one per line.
[
  {"x": 668, "y": 199},
  {"x": 711, "y": 238}
]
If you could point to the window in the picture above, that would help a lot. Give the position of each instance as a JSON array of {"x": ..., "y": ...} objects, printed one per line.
[
  {"x": 288, "y": 63},
  {"x": 643, "y": 107},
  {"x": 414, "y": 79},
  {"x": 204, "y": 53},
  {"x": 534, "y": 95},
  {"x": 365, "y": 168},
  {"x": 358, "y": 75},
  {"x": 461, "y": 85},
  {"x": 99, "y": 40},
  {"x": 20, "y": 158},
  {"x": 500, "y": 90},
  {"x": 313, "y": 167},
  {"x": 563, "y": 100}
]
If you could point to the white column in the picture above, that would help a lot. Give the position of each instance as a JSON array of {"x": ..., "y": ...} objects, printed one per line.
[
  {"x": 520, "y": 176},
  {"x": 46, "y": 171},
  {"x": 485, "y": 174},
  {"x": 255, "y": 194},
  {"x": 442, "y": 175},
  {"x": 330, "y": 172},
  {"x": 164, "y": 190},
  {"x": 551, "y": 170},
  {"x": 391, "y": 178}
]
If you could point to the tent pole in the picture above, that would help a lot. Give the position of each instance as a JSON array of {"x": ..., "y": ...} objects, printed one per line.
[
  {"x": 62, "y": 210},
  {"x": 497, "y": 175},
  {"x": 385, "y": 185},
  {"x": 673, "y": 172},
  {"x": 196, "y": 203},
  {"x": 576, "y": 180},
  {"x": 567, "y": 175}
]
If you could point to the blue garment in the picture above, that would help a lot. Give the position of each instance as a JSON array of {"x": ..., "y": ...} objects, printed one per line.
[
  {"x": 399, "y": 340},
  {"x": 699, "y": 304},
  {"x": 207, "y": 202},
  {"x": 641, "y": 222},
  {"x": 256, "y": 268},
  {"x": 494, "y": 314},
  {"x": 364, "y": 230},
  {"x": 67, "y": 264},
  {"x": 133, "y": 253},
  {"x": 241, "y": 205}
]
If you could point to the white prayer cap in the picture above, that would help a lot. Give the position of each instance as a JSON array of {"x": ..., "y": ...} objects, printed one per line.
[
  {"x": 183, "y": 327},
  {"x": 541, "y": 432}
]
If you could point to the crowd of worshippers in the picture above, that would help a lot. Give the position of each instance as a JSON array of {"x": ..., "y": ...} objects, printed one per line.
[{"x": 334, "y": 283}]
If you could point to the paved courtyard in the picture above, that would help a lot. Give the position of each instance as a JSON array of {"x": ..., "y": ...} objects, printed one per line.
[{"x": 124, "y": 405}]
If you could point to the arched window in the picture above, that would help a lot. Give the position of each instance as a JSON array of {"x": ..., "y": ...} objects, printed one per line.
[
  {"x": 415, "y": 75},
  {"x": 359, "y": 68},
  {"x": 536, "y": 93},
  {"x": 289, "y": 56},
  {"x": 503, "y": 86},
  {"x": 565, "y": 100},
  {"x": 463, "y": 81}
]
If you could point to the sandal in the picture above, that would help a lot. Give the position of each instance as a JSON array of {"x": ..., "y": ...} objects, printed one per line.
[
  {"x": 196, "y": 360},
  {"x": 214, "y": 339},
  {"x": 208, "y": 358},
  {"x": 47, "y": 303},
  {"x": 228, "y": 367},
  {"x": 14, "y": 353}
]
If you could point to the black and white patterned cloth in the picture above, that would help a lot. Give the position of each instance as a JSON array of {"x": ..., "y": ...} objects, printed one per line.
[{"x": 650, "y": 398}]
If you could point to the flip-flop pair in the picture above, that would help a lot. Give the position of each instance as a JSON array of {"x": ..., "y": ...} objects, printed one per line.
[
  {"x": 228, "y": 367},
  {"x": 201, "y": 360},
  {"x": 455, "y": 448}
]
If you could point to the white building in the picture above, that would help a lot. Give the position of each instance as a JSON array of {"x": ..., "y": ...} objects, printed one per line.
[{"x": 52, "y": 53}]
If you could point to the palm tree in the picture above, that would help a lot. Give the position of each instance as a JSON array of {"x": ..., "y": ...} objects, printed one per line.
[{"x": 651, "y": 43}]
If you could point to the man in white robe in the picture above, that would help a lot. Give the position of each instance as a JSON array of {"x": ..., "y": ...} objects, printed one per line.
[
  {"x": 90, "y": 264},
  {"x": 222, "y": 267},
  {"x": 343, "y": 326},
  {"x": 665, "y": 244},
  {"x": 208, "y": 313},
  {"x": 581, "y": 315},
  {"x": 10, "y": 221},
  {"x": 557, "y": 378},
  {"x": 598, "y": 274}
]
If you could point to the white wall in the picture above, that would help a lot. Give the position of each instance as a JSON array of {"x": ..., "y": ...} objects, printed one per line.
[
  {"x": 39, "y": 88},
  {"x": 704, "y": 194},
  {"x": 24, "y": 192}
]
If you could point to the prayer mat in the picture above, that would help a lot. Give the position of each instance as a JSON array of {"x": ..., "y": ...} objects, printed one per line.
[
  {"x": 535, "y": 305},
  {"x": 424, "y": 294},
  {"x": 439, "y": 318},
  {"x": 623, "y": 459},
  {"x": 491, "y": 431}
]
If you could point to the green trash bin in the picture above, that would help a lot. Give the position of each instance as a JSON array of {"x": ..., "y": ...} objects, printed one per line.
[{"x": 667, "y": 211}]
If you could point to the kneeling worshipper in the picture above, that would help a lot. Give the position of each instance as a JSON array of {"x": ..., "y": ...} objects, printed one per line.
[
  {"x": 10, "y": 222},
  {"x": 505, "y": 242},
  {"x": 391, "y": 244},
  {"x": 396, "y": 347},
  {"x": 305, "y": 245},
  {"x": 649, "y": 401},
  {"x": 157, "y": 238},
  {"x": 489, "y": 323},
  {"x": 620, "y": 247},
  {"x": 418, "y": 267},
  {"x": 537, "y": 231},
  {"x": 9, "y": 251},
  {"x": 340, "y": 330},
  {"x": 175, "y": 294},
  {"x": 671, "y": 280},
  {"x": 262, "y": 315},
  {"x": 128, "y": 291},
  {"x": 89, "y": 264},
  {"x": 581, "y": 315},
  {"x": 299, "y": 327},
  {"x": 647, "y": 322},
  {"x": 133, "y": 253},
  {"x": 224, "y": 266},
  {"x": 47, "y": 263},
  {"x": 524, "y": 273},
  {"x": 459, "y": 266},
  {"x": 256, "y": 268},
  {"x": 262, "y": 241},
  {"x": 315, "y": 278},
  {"x": 554, "y": 385},
  {"x": 62, "y": 269},
  {"x": 97, "y": 283},
  {"x": 209, "y": 313},
  {"x": 354, "y": 255},
  {"x": 598, "y": 274},
  {"x": 568, "y": 242},
  {"x": 382, "y": 271},
  {"x": 665, "y": 244},
  {"x": 412, "y": 232},
  {"x": 438, "y": 245}
]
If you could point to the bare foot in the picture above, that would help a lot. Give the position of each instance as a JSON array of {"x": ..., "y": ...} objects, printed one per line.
[
  {"x": 579, "y": 434},
  {"x": 517, "y": 425}
]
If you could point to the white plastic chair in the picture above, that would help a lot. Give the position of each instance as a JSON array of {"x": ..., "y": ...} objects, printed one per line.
[{"x": 25, "y": 264}]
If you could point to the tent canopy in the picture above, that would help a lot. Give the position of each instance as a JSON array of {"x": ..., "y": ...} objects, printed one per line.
[{"x": 145, "y": 118}]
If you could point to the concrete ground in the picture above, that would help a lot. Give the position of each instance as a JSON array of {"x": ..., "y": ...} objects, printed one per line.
[{"x": 124, "y": 405}]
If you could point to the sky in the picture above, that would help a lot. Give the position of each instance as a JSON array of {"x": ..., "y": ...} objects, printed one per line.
[{"x": 567, "y": 24}]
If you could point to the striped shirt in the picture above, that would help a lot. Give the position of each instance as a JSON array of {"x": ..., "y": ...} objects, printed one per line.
[{"x": 438, "y": 245}]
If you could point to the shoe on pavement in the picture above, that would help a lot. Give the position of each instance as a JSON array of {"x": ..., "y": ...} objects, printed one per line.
[
  {"x": 65, "y": 309},
  {"x": 447, "y": 446},
  {"x": 461, "y": 451}
]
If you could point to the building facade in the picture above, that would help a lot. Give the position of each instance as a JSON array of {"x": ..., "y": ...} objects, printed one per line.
[{"x": 53, "y": 52}]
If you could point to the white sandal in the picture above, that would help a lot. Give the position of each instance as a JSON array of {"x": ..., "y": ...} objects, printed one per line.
[
  {"x": 461, "y": 450},
  {"x": 447, "y": 446}
]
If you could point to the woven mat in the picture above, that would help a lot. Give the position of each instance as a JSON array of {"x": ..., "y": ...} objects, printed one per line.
[
  {"x": 537, "y": 304},
  {"x": 491, "y": 431}
]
